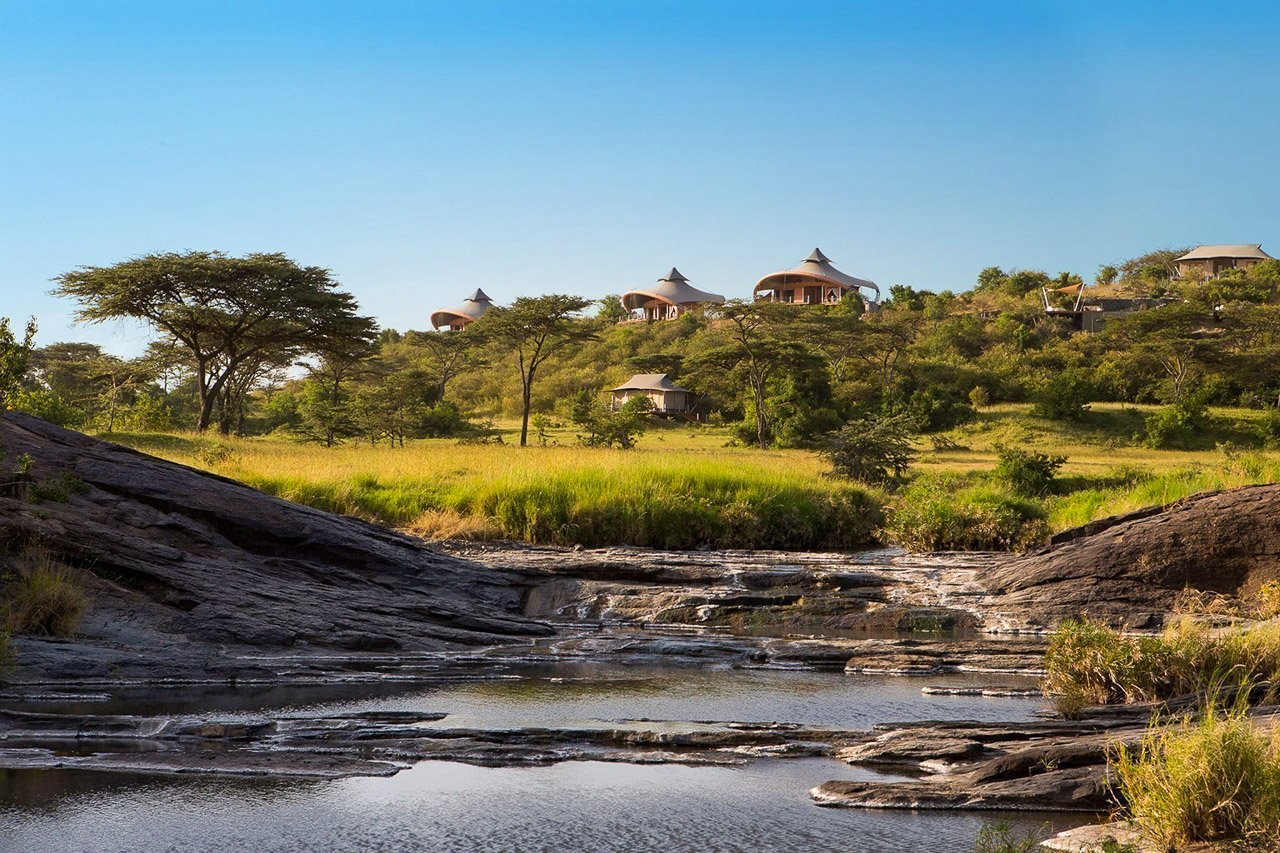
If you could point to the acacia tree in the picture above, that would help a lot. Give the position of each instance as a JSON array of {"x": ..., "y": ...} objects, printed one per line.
[
  {"x": 535, "y": 328},
  {"x": 448, "y": 353},
  {"x": 754, "y": 350},
  {"x": 229, "y": 313}
]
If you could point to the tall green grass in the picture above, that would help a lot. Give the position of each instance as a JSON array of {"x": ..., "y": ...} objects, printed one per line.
[
  {"x": 1088, "y": 663},
  {"x": 655, "y": 506}
]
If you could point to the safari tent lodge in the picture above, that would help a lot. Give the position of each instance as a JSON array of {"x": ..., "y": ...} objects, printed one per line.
[
  {"x": 668, "y": 299},
  {"x": 667, "y": 397},
  {"x": 1212, "y": 260},
  {"x": 814, "y": 282}
]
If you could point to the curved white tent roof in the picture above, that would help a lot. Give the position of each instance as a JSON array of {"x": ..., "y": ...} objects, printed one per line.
[
  {"x": 816, "y": 268},
  {"x": 469, "y": 311},
  {"x": 674, "y": 290}
]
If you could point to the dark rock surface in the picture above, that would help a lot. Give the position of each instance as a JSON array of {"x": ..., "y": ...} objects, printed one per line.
[
  {"x": 190, "y": 572},
  {"x": 1128, "y": 569}
]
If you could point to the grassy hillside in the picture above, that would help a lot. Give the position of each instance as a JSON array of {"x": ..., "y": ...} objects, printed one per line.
[{"x": 683, "y": 487}]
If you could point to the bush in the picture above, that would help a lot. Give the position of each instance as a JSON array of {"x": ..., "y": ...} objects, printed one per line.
[
  {"x": 1178, "y": 425},
  {"x": 873, "y": 450},
  {"x": 979, "y": 397},
  {"x": 1026, "y": 472},
  {"x": 44, "y": 598},
  {"x": 1216, "y": 779},
  {"x": 1065, "y": 397},
  {"x": 606, "y": 428},
  {"x": 1268, "y": 428},
  {"x": 938, "y": 516},
  {"x": 934, "y": 409}
]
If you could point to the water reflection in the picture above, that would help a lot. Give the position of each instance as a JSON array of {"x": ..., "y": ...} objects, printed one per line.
[{"x": 440, "y": 806}]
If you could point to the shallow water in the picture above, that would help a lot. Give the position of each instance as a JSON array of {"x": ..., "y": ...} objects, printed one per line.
[{"x": 574, "y": 806}]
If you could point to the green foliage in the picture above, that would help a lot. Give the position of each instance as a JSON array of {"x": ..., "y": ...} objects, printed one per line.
[
  {"x": 606, "y": 427},
  {"x": 1064, "y": 397},
  {"x": 942, "y": 515},
  {"x": 1268, "y": 428},
  {"x": 979, "y": 397},
  {"x": 1215, "y": 778},
  {"x": 873, "y": 450},
  {"x": 1000, "y": 837},
  {"x": 933, "y": 409},
  {"x": 1178, "y": 425},
  {"x": 15, "y": 356},
  {"x": 1026, "y": 472}
]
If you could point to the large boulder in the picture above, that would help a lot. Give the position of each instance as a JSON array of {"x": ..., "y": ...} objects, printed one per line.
[
  {"x": 1128, "y": 569},
  {"x": 186, "y": 570}
]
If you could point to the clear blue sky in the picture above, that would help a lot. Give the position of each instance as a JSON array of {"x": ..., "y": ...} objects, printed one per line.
[{"x": 420, "y": 150}]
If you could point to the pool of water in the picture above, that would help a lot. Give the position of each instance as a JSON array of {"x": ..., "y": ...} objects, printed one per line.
[{"x": 573, "y": 806}]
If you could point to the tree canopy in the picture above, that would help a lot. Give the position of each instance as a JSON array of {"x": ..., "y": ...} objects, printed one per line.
[{"x": 235, "y": 316}]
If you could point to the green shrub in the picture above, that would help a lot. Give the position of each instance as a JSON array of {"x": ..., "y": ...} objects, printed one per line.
[
  {"x": 1065, "y": 397},
  {"x": 1178, "y": 425},
  {"x": 1215, "y": 779},
  {"x": 934, "y": 408},
  {"x": 1026, "y": 472},
  {"x": 979, "y": 397},
  {"x": 873, "y": 450},
  {"x": 1268, "y": 428},
  {"x": 44, "y": 598},
  {"x": 938, "y": 515}
]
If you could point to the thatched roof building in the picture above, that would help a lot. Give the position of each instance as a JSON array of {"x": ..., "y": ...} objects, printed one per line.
[
  {"x": 669, "y": 298},
  {"x": 814, "y": 282},
  {"x": 471, "y": 309}
]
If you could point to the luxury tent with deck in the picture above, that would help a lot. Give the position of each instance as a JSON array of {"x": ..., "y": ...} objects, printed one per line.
[
  {"x": 1212, "y": 260},
  {"x": 667, "y": 397},
  {"x": 814, "y": 282},
  {"x": 471, "y": 309},
  {"x": 669, "y": 298}
]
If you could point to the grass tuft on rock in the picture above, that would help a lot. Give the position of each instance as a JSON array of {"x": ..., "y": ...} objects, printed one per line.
[{"x": 44, "y": 597}]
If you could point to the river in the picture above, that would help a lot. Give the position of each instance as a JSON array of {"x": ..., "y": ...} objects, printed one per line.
[{"x": 569, "y": 806}]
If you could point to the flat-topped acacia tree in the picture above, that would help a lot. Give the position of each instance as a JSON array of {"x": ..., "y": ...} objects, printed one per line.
[
  {"x": 535, "y": 328},
  {"x": 231, "y": 314}
]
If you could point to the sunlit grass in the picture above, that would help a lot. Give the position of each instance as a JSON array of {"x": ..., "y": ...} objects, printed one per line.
[{"x": 684, "y": 485}]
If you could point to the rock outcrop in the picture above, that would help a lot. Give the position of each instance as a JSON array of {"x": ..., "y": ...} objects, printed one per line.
[
  {"x": 1129, "y": 569},
  {"x": 189, "y": 573}
]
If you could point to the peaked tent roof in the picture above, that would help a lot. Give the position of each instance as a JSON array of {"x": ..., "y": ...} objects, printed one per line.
[
  {"x": 816, "y": 267},
  {"x": 649, "y": 382},
  {"x": 469, "y": 311},
  {"x": 674, "y": 290},
  {"x": 1243, "y": 250}
]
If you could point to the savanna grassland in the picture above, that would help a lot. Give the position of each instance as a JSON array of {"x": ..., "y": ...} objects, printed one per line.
[{"x": 684, "y": 486}]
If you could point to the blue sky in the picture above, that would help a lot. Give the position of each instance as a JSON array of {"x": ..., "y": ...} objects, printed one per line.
[{"x": 420, "y": 150}]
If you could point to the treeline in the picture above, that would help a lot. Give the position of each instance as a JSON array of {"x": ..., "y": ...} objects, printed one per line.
[{"x": 261, "y": 345}]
